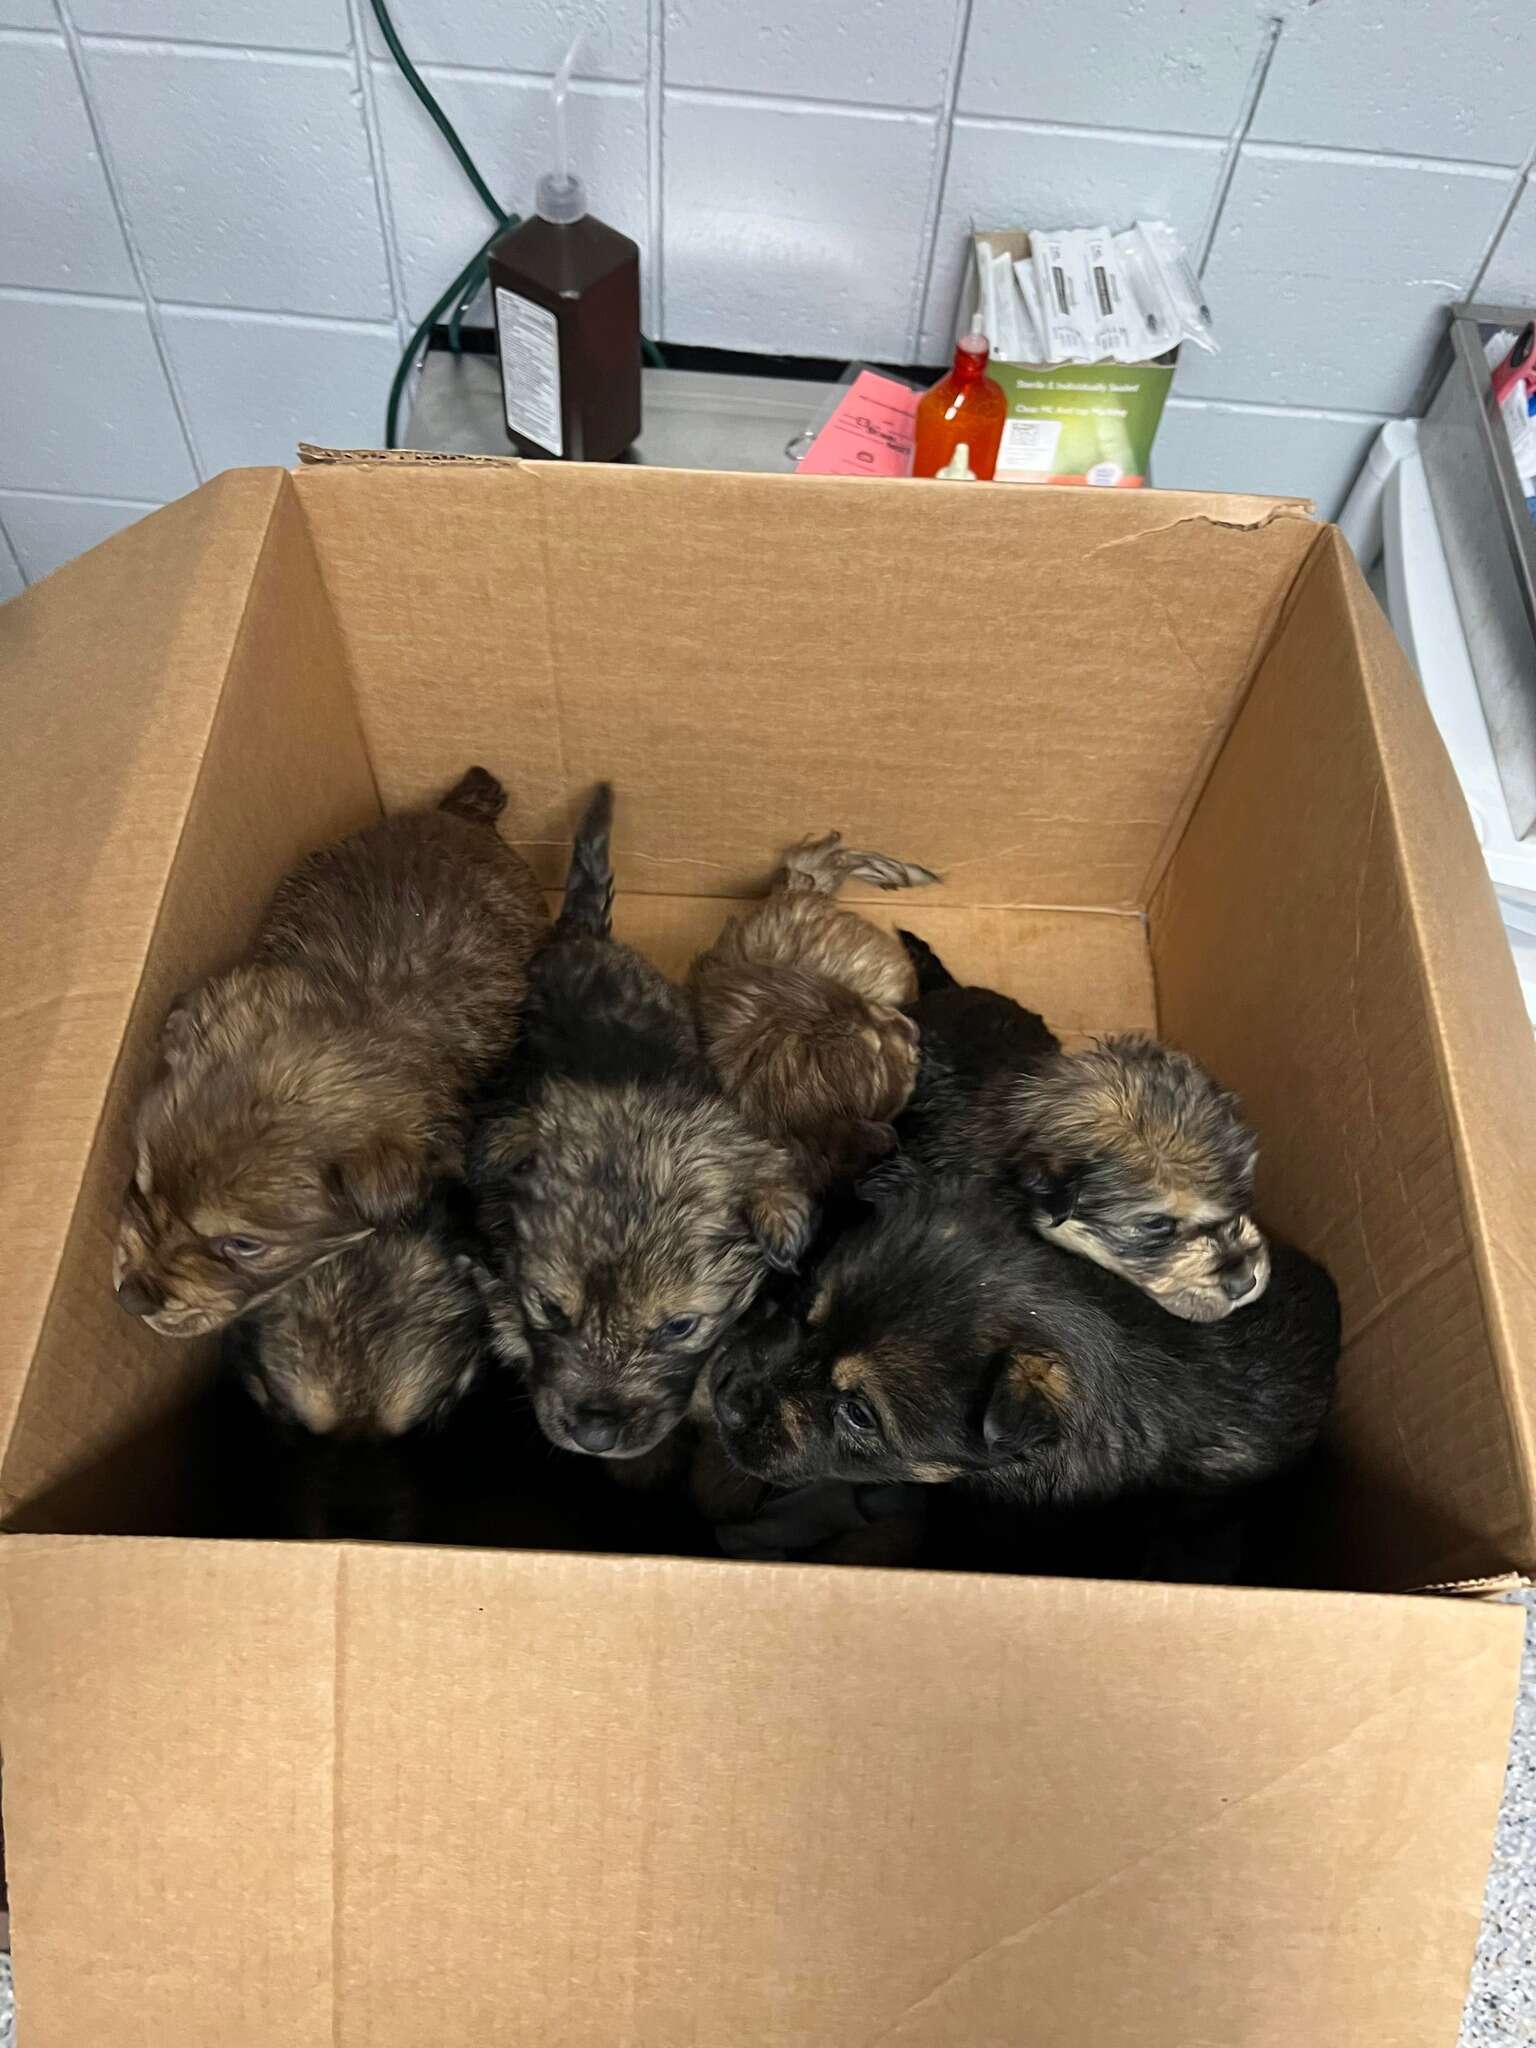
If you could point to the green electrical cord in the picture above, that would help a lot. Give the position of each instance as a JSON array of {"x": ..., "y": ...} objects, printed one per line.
[
  {"x": 423, "y": 92},
  {"x": 462, "y": 292}
]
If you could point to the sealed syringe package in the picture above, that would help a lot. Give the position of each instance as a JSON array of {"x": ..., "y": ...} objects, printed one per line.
[{"x": 1085, "y": 401}]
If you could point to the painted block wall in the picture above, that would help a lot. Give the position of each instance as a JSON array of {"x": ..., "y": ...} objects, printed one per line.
[{"x": 220, "y": 219}]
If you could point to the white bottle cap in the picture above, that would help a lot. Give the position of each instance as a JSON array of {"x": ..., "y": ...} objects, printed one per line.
[
  {"x": 958, "y": 469},
  {"x": 560, "y": 198}
]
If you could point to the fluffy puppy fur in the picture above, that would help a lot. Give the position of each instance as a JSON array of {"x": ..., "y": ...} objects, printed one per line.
[
  {"x": 941, "y": 1344},
  {"x": 630, "y": 1211},
  {"x": 1127, "y": 1153},
  {"x": 799, "y": 1006},
  {"x": 378, "y": 1341},
  {"x": 313, "y": 1094}
]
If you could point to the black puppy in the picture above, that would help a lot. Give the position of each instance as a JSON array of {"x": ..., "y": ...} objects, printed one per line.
[
  {"x": 938, "y": 1343},
  {"x": 968, "y": 1039}
]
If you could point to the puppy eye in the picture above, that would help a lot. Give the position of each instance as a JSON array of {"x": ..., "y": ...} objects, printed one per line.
[
  {"x": 550, "y": 1313},
  {"x": 1155, "y": 1228},
  {"x": 856, "y": 1414},
  {"x": 236, "y": 1247},
  {"x": 676, "y": 1328}
]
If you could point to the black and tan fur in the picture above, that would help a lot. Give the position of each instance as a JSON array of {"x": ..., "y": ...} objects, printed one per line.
[
  {"x": 938, "y": 1343},
  {"x": 630, "y": 1211},
  {"x": 800, "y": 1011},
  {"x": 1126, "y": 1153},
  {"x": 314, "y": 1093}
]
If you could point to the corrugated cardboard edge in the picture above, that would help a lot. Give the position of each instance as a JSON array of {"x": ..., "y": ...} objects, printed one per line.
[
  {"x": 1492, "y": 1588},
  {"x": 1247, "y": 514},
  {"x": 312, "y": 456}
]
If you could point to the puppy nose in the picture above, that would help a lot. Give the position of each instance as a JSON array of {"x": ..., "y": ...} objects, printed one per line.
[
  {"x": 1237, "y": 1282},
  {"x": 139, "y": 1296},
  {"x": 729, "y": 1401},
  {"x": 595, "y": 1428}
]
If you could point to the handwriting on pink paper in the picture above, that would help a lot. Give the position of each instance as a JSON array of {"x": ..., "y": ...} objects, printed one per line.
[{"x": 869, "y": 433}]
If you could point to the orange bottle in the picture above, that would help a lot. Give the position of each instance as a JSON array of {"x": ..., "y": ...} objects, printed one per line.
[{"x": 968, "y": 406}]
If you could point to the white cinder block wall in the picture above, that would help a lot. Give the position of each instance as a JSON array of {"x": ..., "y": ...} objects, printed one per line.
[{"x": 220, "y": 219}]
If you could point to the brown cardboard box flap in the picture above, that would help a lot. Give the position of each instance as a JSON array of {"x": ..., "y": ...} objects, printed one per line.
[
  {"x": 1327, "y": 939},
  {"x": 751, "y": 657},
  {"x": 180, "y": 732},
  {"x": 114, "y": 669},
  {"x": 574, "y": 1801}
]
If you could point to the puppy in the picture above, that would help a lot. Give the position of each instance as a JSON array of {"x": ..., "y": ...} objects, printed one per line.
[
  {"x": 968, "y": 1038},
  {"x": 1127, "y": 1153},
  {"x": 378, "y": 1341},
  {"x": 631, "y": 1213},
  {"x": 799, "y": 1006},
  {"x": 941, "y": 1344},
  {"x": 313, "y": 1094},
  {"x": 354, "y": 1365}
]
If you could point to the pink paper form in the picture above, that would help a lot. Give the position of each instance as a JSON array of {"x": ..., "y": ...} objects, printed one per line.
[{"x": 870, "y": 432}]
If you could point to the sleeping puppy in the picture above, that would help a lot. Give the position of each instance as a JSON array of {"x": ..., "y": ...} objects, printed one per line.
[
  {"x": 386, "y": 1336},
  {"x": 941, "y": 1344},
  {"x": 313, "y": 1094},
  {"x": 355, "y": 1361},
  {"x": 1127, "y": 1153},
  {"x": 799, "y": 1006},
  {"x": 630, "y": 1212}
]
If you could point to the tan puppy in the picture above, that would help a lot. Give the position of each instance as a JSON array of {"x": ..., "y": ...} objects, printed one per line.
[
  {"x": 629, "y": 1211},
  {"x": 800, "y": 1008},
  {"x": 384, "y": 1338},
  {"x": 314, "y": 1093}
]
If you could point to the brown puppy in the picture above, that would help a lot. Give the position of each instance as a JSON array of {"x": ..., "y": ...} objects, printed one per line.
[
  {"x": 314, "y": 1093},
  {"x": 800, "y": 1010},
  {"x": 630, "y": 1212},
  {"x": 383, "y": 1338},
  {"x": 1130, "y": 1155},
  {"x": 1127, "y": 1153}
]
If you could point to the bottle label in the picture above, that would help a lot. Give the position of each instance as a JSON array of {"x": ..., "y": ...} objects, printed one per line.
[
  {"x": 1030, "y": 445},
  {"x": 530, "y": 369}
]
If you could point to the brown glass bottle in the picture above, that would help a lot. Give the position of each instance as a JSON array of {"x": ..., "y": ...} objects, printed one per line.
[{"x": 566, "y": 290}]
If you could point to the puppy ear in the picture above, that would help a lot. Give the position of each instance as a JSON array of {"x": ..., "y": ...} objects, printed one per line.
[
  {"x": 505, "y": 1148},
  {"x": 180, "y": 1032},
  {"x": 1029, "y": 1400},
  {"x": 894, "y": 1175},
  {"x": 1054, "y": 1187},
  {"x": 781, "y": 1216},
  {"x": 381, "y": 1181}
]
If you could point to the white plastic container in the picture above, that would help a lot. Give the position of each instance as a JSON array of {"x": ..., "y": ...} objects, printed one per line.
[{"x": 1390, "y": 522}]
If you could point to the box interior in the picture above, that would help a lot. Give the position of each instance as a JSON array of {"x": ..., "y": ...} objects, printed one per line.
[{"x": 1155, "y": 743}]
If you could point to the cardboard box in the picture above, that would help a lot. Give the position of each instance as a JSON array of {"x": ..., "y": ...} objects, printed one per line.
[
  {"x": 328, "y": 1794},
  {"x": 1072, "y": 423}
]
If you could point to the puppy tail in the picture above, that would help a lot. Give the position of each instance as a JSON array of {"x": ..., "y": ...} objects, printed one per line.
[
  {"x": 932, "y": 974},
  {"x": 588, "y": 907},
  {"x": 477, "y": 796},
  {"x": 823, "y": 865}
]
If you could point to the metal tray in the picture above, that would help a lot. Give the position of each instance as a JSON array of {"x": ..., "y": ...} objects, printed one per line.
[{"x": 1490, "y": 545}]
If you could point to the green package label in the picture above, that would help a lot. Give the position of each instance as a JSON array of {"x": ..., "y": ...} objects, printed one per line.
[{"x": 1080, "y": 423}]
